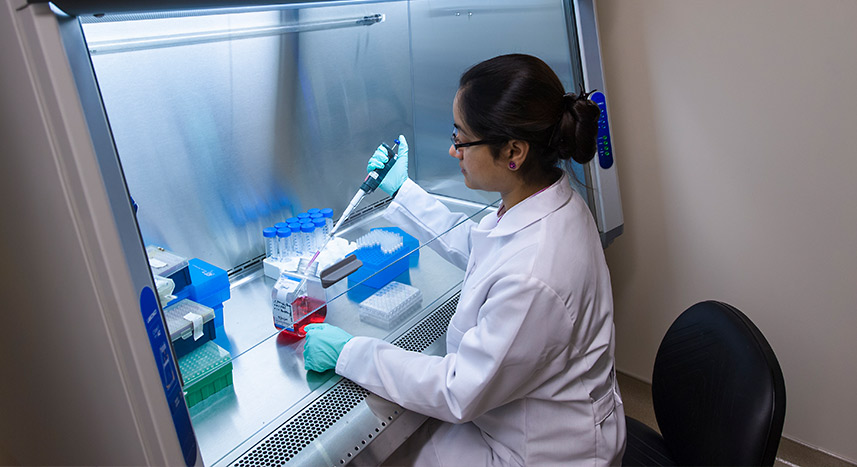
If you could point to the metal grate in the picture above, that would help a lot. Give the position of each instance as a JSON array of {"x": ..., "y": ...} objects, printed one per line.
[
  {"x": 428, "y": 331},
  {"x": 300, "y": 431},
  {"x": 246, "y": 265},
  {"x": 285, "y": 442}
]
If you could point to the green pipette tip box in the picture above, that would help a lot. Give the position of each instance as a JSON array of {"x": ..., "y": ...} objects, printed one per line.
[{"x": 205, "y": 371}]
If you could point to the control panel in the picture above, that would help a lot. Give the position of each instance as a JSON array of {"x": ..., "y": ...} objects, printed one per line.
[
  {"x": 605, "y": 147},
  {"x": 159, "y": 339}
]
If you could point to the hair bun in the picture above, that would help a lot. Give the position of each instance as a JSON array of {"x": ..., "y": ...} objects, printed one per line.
[
  {"x": 568, "y": 100},
  {"x": 578, "y": 104},
  {"x": 578, "y": 127}
]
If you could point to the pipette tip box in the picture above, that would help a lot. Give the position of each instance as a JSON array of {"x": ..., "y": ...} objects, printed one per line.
[
  {"x": 205, "y": 371},
  {"x": 381, "y": 264},
  {"x": 209, "y": 286},
  {"x": 390, "y": 306},
  {"x": 190, "y": 325},
  {"x": 165, "y": 263},
  {"x": 207, "y": 280},
  {"x": 410, "y": 244}
]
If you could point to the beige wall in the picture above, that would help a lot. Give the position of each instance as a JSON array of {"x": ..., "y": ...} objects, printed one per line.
[{"x": 735, "y": 132}]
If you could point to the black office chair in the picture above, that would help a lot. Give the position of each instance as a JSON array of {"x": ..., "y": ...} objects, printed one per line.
[{"x": 718, "y": 394}]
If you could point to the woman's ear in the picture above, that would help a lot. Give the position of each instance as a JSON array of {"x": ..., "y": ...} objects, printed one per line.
[{"x": 516, "y": 152}]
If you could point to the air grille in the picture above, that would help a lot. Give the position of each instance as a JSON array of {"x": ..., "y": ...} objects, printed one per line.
[
  {"x": 298, "y": 432},
  {"x": 422, "y": 335},
  {"x": 246, "y": 265}
]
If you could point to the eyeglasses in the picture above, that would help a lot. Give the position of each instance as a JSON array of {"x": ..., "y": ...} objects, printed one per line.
[{"x": 458, "y": 146}]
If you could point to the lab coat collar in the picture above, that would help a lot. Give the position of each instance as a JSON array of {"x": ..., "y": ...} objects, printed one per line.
[{"x": 533, "y": 208}]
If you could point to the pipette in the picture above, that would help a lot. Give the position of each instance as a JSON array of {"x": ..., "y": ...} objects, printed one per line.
[{"x": 370, "y": 183}]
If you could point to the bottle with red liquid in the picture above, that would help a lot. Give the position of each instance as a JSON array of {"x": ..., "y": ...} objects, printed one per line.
[
  {"x": 293, "y": 309},
  {"x": 315, "y": 311}
]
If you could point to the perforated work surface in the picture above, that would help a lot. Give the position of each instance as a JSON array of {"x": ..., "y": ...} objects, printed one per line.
[{"x": 298, "y": 432}]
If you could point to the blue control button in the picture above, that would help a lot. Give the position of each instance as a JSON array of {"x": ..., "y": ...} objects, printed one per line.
[{"x": 605, "y": 148}]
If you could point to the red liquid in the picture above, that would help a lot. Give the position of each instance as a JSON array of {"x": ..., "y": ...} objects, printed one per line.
[{"x": 302, "y": 305}]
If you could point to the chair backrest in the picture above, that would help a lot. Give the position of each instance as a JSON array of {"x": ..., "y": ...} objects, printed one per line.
[{"x": 717, "y": 389}]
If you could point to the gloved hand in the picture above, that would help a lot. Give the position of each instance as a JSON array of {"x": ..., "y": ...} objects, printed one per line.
[
  {"x": 398, "y": 173},
  {"x": 323, "y": 345}
]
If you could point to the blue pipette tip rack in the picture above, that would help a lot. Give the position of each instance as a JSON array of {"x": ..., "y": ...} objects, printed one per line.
[{"x": 382, "y": 251}]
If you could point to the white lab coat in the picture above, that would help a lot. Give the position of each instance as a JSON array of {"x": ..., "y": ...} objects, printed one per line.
[{"x": 528, "y": 372}]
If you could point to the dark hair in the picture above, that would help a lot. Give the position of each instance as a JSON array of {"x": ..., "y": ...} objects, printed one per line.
[{"x": 519, "y": 97}]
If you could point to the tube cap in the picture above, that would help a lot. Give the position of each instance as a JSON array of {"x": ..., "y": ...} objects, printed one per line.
[
  {"x": 307, "y": 227},
  {"x": 269, "y": 232},
  {"x": 318, "y": 222},
  {"x": 313, "y": 211},
  {"x": 284, "y": 232},
  {"x": 327, "y": 212}
]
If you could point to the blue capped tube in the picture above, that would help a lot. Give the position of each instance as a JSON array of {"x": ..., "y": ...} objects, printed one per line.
[
  {"x": 321, "y": 231},
  {"x": 297, "y": 239},
  {"x": 283, "y": 243},
  {"x": 328, "y": 218},
  {"x": 270, "y": 236},
  {"x": 307, "y": 232}
]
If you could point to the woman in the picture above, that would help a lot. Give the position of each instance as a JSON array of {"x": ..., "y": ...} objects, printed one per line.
[{"x": 528, "y": 378}]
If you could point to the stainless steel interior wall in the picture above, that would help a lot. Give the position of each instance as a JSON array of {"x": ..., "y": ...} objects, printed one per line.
[
  {"x": 221, "y": 139},
  {"x": 448, "y": 37}
]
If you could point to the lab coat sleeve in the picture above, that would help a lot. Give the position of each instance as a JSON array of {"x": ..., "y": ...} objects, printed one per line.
[
  {"x": 522, "y": 326},
  {"x": 422, "y": 215}
]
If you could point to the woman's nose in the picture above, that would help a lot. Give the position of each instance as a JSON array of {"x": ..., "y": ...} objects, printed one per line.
[{"x": 454, "y": 152}]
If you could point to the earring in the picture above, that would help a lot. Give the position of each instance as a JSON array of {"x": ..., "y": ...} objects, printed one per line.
[{"x": 512, "y": 165}]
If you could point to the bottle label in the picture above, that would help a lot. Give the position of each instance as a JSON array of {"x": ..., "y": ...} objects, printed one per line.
[{"x": 283, "y": 295}]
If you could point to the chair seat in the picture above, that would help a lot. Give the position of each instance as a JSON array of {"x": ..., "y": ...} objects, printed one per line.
[{"x": 645, "y": 446}]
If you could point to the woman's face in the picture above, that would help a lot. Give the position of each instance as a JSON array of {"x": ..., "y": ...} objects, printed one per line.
[{"x": 481, "y": 170}]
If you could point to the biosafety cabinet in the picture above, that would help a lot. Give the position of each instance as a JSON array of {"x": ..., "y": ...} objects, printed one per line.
[{"x": 146, "y": 141}]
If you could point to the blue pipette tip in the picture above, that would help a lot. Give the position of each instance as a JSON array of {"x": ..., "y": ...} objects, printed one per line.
[{"x": 396, "y": 141}]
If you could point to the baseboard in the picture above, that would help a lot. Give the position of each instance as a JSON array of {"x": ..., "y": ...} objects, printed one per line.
[{"x": 793, "y": 452}]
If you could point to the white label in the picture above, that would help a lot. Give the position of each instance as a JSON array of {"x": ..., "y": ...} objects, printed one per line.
[
  {"x": 283, "y": 296},
  {"x": 197, "y": 324},
  {"x": 283, "y": 316}
]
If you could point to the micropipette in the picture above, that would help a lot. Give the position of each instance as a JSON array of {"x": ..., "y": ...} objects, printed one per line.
[{"x": 370, "y": 183}]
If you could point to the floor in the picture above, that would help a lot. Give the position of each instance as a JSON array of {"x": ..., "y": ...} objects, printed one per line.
[{"x": 637, "y": 397}]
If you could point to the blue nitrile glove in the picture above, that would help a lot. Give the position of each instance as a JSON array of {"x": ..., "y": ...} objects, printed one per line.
[
  {"x": 323, "y": 345},
  {"x": 398, "y": 173}
]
